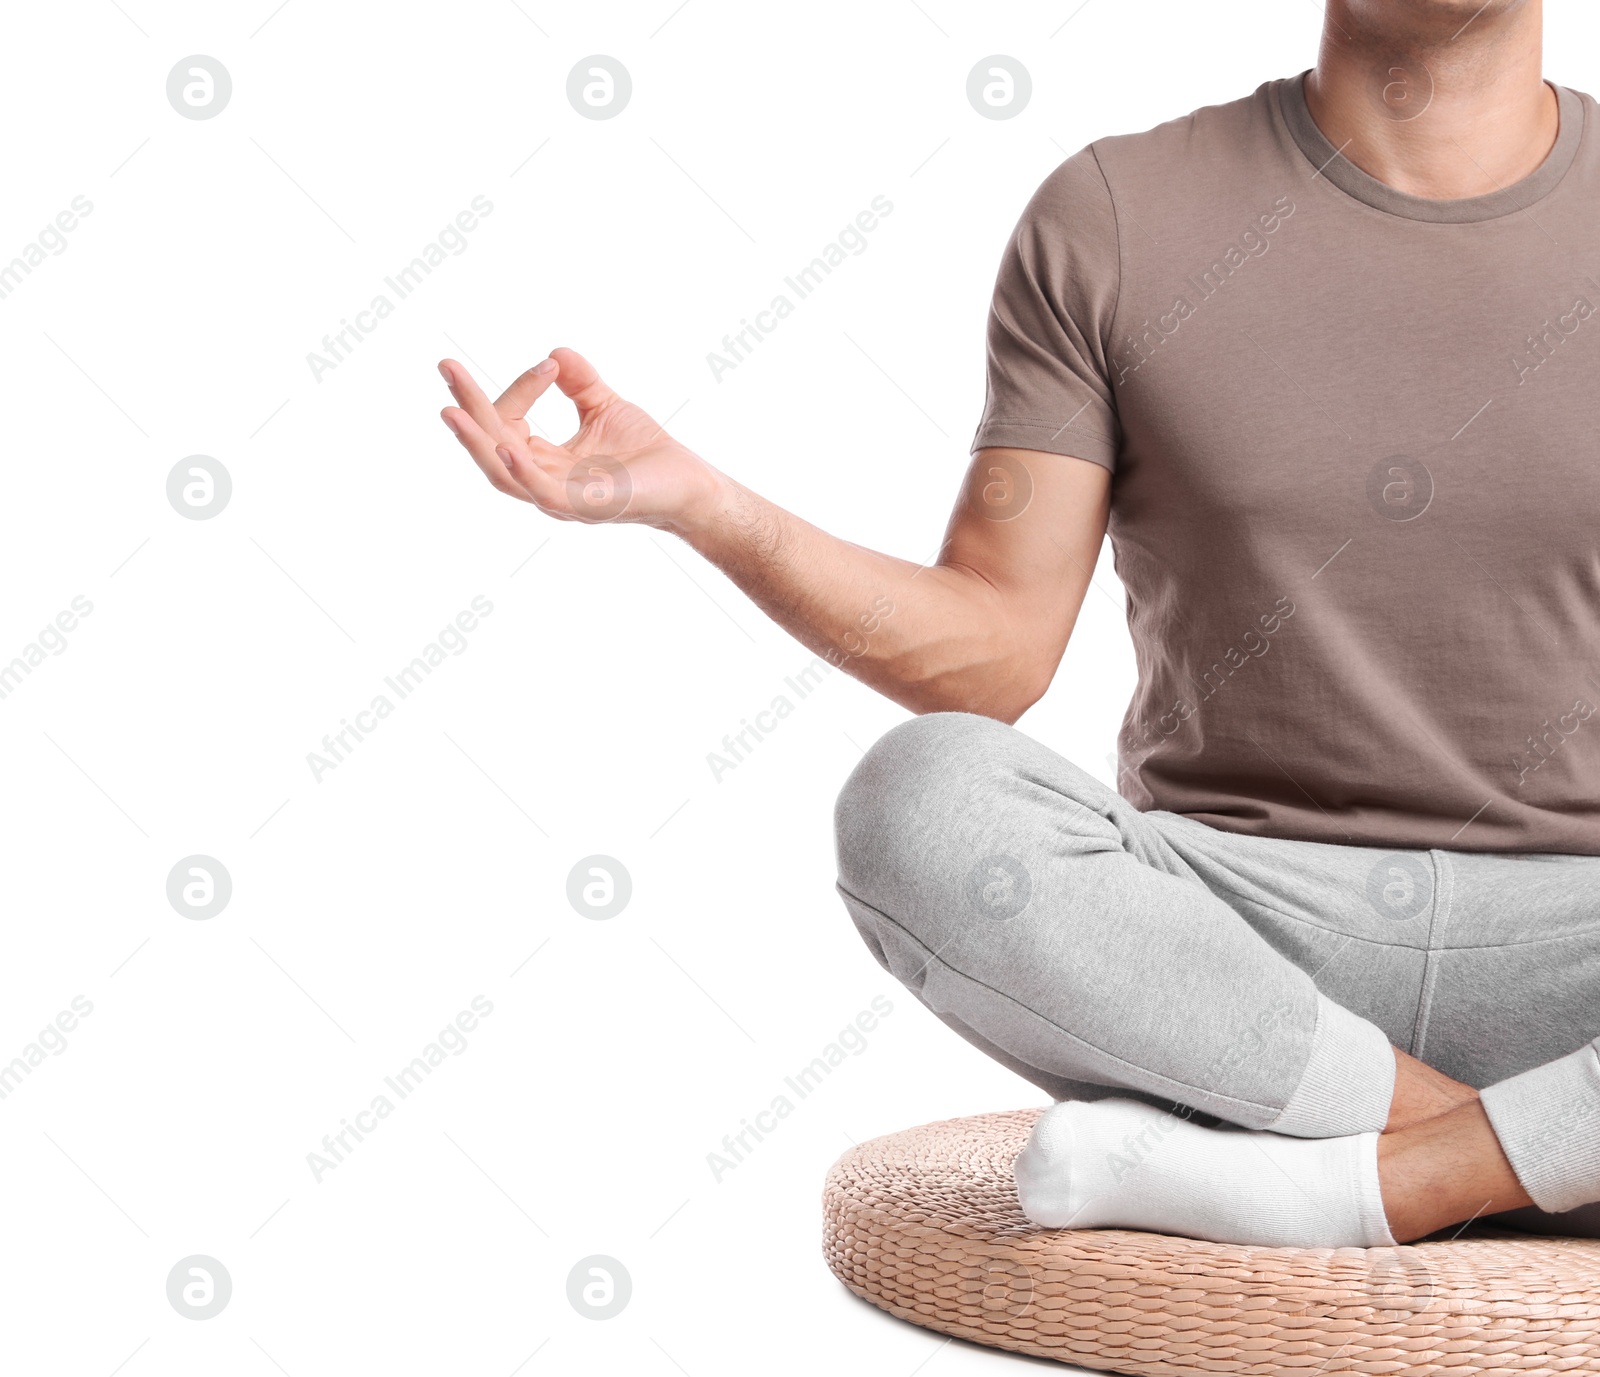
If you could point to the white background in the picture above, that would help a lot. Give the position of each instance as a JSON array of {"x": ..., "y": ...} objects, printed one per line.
[{"x": 430, "y": 866}]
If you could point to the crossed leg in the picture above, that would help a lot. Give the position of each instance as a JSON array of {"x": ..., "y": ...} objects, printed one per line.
[
  {"x": 1439, "y": 1161},
  {"x": 1103, "y": 952}
]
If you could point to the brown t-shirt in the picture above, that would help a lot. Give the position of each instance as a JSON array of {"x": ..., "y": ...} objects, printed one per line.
[{"x": 1355, "y": 439}]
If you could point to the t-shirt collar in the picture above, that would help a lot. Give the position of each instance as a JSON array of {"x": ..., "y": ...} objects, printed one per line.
[{"x": 1349, "y": 178}]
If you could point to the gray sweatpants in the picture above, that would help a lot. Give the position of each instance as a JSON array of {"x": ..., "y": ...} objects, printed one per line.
[{"x": 1098, "y": 950}]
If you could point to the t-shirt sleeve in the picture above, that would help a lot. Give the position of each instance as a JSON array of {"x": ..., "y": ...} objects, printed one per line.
[{"x": 1049, "y": 375}]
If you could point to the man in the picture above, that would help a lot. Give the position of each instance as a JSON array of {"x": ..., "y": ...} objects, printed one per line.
[{"x": 1324, "y": 359}]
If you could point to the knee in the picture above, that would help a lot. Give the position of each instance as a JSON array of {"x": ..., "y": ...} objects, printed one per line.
[
  {"x": 897, "y": 825},
  {"x": 951, "y": 805},
  {"x": 910, "y": 792}
]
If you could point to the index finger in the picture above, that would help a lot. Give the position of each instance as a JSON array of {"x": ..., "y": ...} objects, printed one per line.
[
  {"x": 469, "y": 396},
  {"x": 514, "y": 402}
]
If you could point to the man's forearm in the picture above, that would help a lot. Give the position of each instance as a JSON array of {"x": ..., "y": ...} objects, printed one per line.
[{"x": 932, "y": 638}]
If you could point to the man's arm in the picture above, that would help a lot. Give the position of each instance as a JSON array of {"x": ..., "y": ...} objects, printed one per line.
[{"x": 980, "y": 630}]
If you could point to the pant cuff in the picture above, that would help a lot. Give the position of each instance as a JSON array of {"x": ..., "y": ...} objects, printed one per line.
[
  {"x": 1348, "y": 1081},
  {"x": 1546, "y": 1120}
]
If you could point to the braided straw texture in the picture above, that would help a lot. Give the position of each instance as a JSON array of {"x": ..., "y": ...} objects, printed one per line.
[{"x": 925, "y": 1224}]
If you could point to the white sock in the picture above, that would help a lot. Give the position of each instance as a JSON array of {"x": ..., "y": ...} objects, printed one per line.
[{"x": 1123, "y": 1164}]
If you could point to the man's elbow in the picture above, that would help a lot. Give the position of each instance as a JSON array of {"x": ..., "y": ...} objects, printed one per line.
[{"x": 1003, "y": 692}]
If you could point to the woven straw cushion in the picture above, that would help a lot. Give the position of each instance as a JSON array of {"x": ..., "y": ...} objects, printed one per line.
[{"x": 925, "y": 1225}]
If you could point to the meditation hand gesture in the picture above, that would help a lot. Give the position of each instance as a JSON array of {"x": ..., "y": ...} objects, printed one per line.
[{"x": 620, "y": 466}]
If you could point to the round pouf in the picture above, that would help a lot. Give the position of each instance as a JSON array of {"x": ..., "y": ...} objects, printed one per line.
[{"x": 925, "y": 1225}]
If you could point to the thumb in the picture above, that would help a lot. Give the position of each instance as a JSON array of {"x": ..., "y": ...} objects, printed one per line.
[{"x": 579, "y": 379}]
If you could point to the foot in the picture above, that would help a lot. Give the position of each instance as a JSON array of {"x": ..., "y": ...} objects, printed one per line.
[
  {"x": 1122, "y": 1164},
  {"x": 1446, "y": 1170}
]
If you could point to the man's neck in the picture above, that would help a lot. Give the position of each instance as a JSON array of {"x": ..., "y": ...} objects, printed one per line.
[{"x": 1438, "y": 104}]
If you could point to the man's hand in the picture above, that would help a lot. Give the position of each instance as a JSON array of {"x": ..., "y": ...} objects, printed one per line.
[{"x": 620, "y": 466}]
